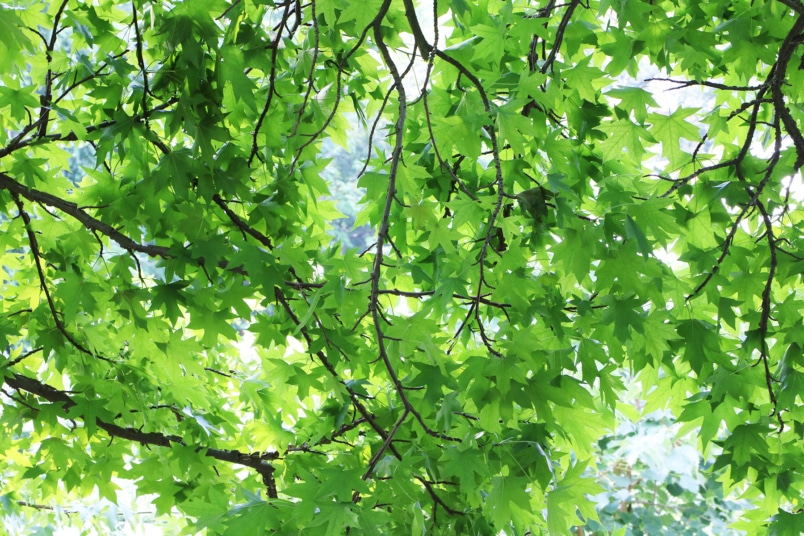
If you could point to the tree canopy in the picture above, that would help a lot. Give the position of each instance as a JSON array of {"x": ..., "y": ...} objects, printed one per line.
[{"x": 552, "y": 228}]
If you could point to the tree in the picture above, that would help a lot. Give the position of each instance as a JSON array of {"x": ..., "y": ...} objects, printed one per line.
[{"x": 550, "y": 230}]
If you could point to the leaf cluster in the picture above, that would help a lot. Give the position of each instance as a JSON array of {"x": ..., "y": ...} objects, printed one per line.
[{"x": 175, "y": 315}]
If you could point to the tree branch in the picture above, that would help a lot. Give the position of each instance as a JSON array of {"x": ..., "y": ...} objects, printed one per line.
[
  {"x": 19, "y": 141},
  {"x": 795, "y": 5},
  {"x": 778, "y": 79},
  {"x": 240, "y": 224},
  {"x": 47, "y": 95},
  {"x": 255, "y": 460},
  {"x": 38, "y": 196},
  {"x": 34, "y": 247},
  {"x": 562, "y": 27},
  {"x": 706, "y": 83},
  {"x": 141, "y": 62},
  {"x": 271, "y": 85},
  {"x": 424, "y": 47}
]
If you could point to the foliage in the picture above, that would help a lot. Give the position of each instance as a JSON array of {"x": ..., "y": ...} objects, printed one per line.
[{"x": 175, "y": 316}]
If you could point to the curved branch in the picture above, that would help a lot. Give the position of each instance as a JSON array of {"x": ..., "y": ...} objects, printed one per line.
[
  {"x": 38, "y": 196},
  {"x": 765, "y": 312},
  {"x": 271, "y": 84},
  {"x": 338, "y": 87},
  {"x": 795, "y": 5},
  {"x": 255, "y": 460},
  {"x": 34, "y": 247},
  {"x": 47, "y": 96},
  {"x": 141, "y": 61},
  {"x": 355, "y": 399},
  {"x": 501, "y": 195},
  {"x": 562, "y": 27},
  {"x": 777, "y": 80},
  {"x": 382, "y": 236},
  {"x": 313, "y": 61}
]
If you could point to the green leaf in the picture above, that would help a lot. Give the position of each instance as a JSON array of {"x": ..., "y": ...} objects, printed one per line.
[
  {"x": 508, "y": 500},
  {"x": 624, "y": 139},
  {"x": 785, "y": 524},
  {"x": 633, "y": 231},
  {"x": 701, "y": 343},
  {"x": 561, "y": 513},
  {"x": 13, "y": 40},
  {"x": 669, "y": 129},
  {"x": 626, "y": 315},
  {"x": 636, "y": 100}
]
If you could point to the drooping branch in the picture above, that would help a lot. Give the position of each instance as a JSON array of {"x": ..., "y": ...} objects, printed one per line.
[
  {"x": 765, "y": 311},
  {"x": 382, "y": 237},
  {"x": 426, "y": 104},
  {"x": 255, "y": 460},
  {"x": 499, "y": 184},
  {"x": 43, "y": 282},
  {"x": 271, "y": 84},
  {"x": 338, "y": 90},
  {"x": 355, "y": 399},
  {"x": 93, "y": 224},
  {"x": 774, "y": 84},
  {"x": 313, "y": 64}
]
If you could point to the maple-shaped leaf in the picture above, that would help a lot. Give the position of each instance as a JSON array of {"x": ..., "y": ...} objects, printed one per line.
[
  {"x": 670, "y": 129},
  {"x": 625, "y": 139}
]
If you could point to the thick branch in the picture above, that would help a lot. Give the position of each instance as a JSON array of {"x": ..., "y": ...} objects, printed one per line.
[
  {"x": 795, "y": 5},
  {"x": 421, "y": 42},
  {"x": 562, "y": 27},
  {"x": 777, "y": 80}
]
